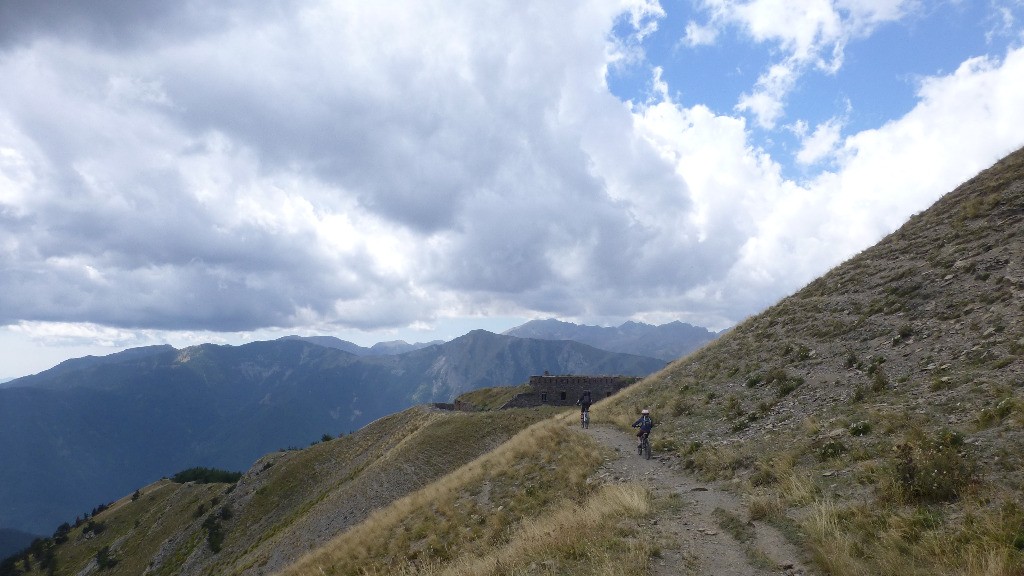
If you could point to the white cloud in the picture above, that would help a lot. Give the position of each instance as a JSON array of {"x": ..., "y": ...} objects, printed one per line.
[
  {"x": 766, "y": 102},
  {"x": 808, "y": 35},
  {"x": 698, "y": 35},
  {"x": 333, "y": 162},
  {"x": 774, "y": 235},
  {"x": 374, "y": 166},
  {"x": 819, "y": 144}
]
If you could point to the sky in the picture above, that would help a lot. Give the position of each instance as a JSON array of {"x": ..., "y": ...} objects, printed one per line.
[{"x": 227, "y": 171}]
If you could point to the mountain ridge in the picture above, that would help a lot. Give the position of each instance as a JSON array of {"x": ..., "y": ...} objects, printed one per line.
[
  {"x": 665, "y": 341},
  {"x": 158, "y": 410}
]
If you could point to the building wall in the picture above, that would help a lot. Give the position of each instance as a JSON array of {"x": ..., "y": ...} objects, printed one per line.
[{"x": 565, "y": 390}]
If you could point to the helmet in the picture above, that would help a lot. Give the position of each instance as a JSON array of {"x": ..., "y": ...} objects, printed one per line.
[{"x": 645, "y": 411}]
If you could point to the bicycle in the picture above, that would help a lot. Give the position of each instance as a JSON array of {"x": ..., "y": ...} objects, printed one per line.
[
  {"x": 585, "y": 419},
  {"x": 644, "y": 449}
]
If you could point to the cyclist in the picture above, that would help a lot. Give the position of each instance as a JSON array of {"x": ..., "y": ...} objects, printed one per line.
[
  {"x": 584, "y": 402},
  {"x": 644, "y": 423}
]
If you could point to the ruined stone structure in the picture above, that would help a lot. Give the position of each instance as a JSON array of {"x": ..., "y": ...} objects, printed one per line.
[{"x": 565, "y": 390}]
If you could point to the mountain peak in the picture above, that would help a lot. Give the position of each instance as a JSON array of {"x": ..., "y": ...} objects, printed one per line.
[{"x": 666, "y": 342}]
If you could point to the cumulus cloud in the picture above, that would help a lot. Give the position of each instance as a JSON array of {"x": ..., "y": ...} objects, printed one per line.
[
  {"x": 368, "y": 166},
  {"x": 775, "y": 234},
  {"x": 364, "y": 165},
  {"x": 820, "y": 143}
]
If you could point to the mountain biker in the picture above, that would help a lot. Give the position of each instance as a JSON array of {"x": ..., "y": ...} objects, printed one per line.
[
  {"x": 584, "y": 402},
  {"x": 644, "y": 423}
]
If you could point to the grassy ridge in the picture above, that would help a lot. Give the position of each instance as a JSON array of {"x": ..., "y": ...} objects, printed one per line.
[
  {"x": 334, "y": 485},
  {"x": 134, "y": 530},
  {"x": 492, "y": 398},
  {"x": 491, "y": 517},
  {"x": 290, "y": 501}
]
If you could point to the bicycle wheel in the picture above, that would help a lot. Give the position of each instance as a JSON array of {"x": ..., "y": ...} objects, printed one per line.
[{"x": 647, "y": 449}]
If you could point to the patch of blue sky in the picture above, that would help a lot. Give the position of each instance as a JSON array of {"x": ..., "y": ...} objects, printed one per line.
[
  {"x": 881, "y": 75},
  {"x": 878, "y": 81},
  {"x": 711, "y": 75}
]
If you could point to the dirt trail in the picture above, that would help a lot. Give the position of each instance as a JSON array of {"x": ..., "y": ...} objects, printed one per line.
[{"x": 696, "y": 543}]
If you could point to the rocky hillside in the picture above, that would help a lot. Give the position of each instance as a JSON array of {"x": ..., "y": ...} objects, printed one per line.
[{"x": 882, "y": 405}]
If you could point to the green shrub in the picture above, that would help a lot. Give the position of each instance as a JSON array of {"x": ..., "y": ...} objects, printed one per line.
[
  {"x": 861, "y": 428},
  {"x": 104, "y": 559},
  {"x": 858, "y": 394},
  {"x": 905, "y": 331},
  {"x": 214, "y": 533},
  {"x": 775, "y": 375},
  {"x": 680, "y": 407},
  {"x": 832, "y": 449},
  {"x": 763, "y": 476},
  {"x": 879, "y": 380},
  {"x": 787, "y": 386},
  {"x": 206, "y": 476},
  {"x": 733, "y": 407},
  {"x": 990, "y": 416},
  {"x": 933, "y": 470}
]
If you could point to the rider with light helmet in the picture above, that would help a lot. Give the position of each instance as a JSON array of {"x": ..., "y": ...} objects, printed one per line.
[{"x": 645, "y": 424}]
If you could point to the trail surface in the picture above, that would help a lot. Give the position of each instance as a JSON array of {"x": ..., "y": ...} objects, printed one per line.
[{"x": 700, "y": 535}]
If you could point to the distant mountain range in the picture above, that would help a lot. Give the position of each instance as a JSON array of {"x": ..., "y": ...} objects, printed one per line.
[
  {"x": 667, "y": 341},
  {"x": 379, "y": 349},
  {"x": 92, "y": 429}
]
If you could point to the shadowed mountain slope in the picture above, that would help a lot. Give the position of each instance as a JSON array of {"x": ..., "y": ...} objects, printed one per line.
[{"x": 92, "y": 429}]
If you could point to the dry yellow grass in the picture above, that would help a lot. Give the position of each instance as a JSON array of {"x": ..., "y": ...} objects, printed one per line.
[
  {"x": 480, "y": 510},
  {"x": 856, "y": 540},
  {"x": 571, "y": 539}
]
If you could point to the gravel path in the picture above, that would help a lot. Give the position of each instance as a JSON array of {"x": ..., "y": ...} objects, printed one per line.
[{"x": 695, "y": 541}]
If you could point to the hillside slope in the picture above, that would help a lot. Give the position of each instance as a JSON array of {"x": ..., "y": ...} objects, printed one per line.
[
  {"x": 880, "y": 407},
  {"x": 287, "y": 503}
]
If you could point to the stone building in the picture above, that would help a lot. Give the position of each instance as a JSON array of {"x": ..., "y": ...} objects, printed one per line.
[{"x": 565, "y": 390}]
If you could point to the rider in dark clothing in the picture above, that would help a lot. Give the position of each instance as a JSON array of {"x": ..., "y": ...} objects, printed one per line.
[{"x": 584, "y": 402}]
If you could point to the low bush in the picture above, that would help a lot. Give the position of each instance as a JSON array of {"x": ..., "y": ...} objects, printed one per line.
[
  {"x": 932, "y": 470},
  {"x": 831, "y": 449},
  {"x": 861, "y": 428}
]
